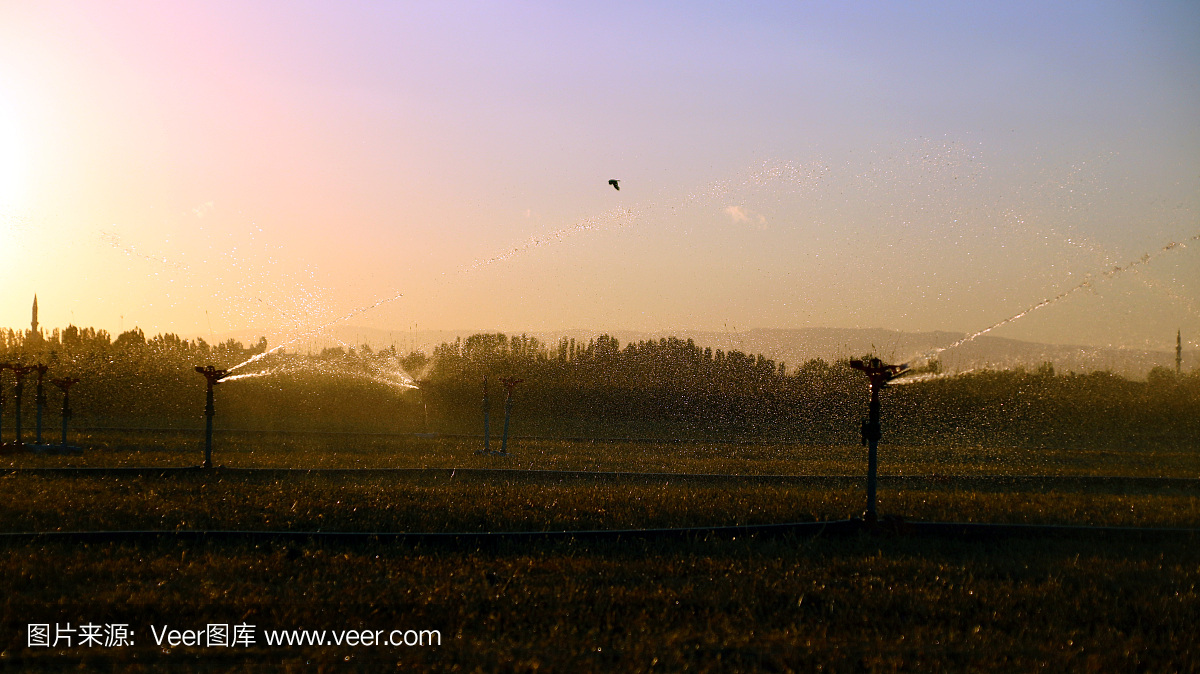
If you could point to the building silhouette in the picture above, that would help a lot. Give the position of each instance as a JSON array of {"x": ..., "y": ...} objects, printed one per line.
[{"x": 35, "y": 335}]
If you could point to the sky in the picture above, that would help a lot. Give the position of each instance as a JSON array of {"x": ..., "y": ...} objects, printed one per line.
[{"x": 204, "y": 168}]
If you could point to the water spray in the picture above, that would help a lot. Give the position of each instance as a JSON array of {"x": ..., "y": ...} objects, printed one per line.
[
  {"x": 558, "y": 236},
  {"x": 212, "y": 376},
  {"x": 769, "y": 173},
  {"x": 878, "y": 374},
  {"x": 316, "y": 330},
  {"x": 928, "y": 376},
  {"x": 1144, "y": 259},
  {"x": 248, "y": 375}
]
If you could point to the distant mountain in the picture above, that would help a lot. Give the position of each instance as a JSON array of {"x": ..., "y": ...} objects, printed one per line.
[
  {"x": 795, "y": 346},
  {"x": 799, "y": 345}
]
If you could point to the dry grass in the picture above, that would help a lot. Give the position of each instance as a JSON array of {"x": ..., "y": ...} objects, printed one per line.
[
  {"x": 746, "y": 605},
  {"x": 295, "y": 450},
  {"x": 538, "y": 502},
  {"x": 750, "y": 604}
]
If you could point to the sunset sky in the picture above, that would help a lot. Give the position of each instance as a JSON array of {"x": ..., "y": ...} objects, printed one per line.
[{"x": 209, "y": 167}]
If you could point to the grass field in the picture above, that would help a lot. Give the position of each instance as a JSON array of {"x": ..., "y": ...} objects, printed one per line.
[
  {"x": 336, "y": 450},
  {"x": 857, "y": 603},
  {"x": 860, "y": 604}
]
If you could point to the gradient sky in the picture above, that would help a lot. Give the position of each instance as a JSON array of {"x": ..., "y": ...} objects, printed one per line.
[{"x": 207, "y": 167}]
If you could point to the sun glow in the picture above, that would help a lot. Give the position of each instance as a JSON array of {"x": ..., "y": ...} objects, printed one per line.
[{"x": 14, "y": 158}]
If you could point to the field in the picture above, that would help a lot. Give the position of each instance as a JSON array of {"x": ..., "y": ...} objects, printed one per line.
[{"x": 1088, "y": 602}]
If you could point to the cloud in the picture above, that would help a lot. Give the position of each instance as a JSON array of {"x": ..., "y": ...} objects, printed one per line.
[{"x": 739, "y": 214}]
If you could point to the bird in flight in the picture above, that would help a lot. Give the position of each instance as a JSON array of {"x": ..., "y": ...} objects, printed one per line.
[{"x": 615, "y": 185}]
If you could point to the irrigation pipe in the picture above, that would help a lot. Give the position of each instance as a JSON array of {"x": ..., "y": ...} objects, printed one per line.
[
  {"x": 1112, "y": 482},
  {"x": 450, "y": 436},
  {"x": 841, "y": 528}
]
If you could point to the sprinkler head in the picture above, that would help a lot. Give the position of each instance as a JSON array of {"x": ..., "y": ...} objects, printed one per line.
[
  {"x": 64, "y": 383},
  {"x": 878, "y": 372},
  {"x": 212, "y": 374},
  {"x": 21, "y": 370}
]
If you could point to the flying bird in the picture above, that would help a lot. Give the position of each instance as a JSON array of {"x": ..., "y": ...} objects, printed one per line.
[{"x": 615, "y": 185}]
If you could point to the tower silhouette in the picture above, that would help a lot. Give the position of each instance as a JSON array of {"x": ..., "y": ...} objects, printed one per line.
[{"x": 33, "y": 326}]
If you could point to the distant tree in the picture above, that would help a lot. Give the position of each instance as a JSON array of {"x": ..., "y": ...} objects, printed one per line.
[
  {"x": 605, "y": 348},
  {"x": 131, "y": 339},
  {"x": 414, "y": 362},
  {"x": 1161, "y": 377}
]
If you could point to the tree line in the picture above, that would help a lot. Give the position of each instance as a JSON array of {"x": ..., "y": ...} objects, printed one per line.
[{"x": 668, "y": 388}]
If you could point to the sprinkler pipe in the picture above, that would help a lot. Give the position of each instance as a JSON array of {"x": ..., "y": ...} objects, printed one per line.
[
  {"x": 878, "y": 374},
  {"x": 20, "y": 371},
  {"x": 40, "y": 399},
  {"x": 65, "y": 385},
  {"x": 486, "y": 434},
  {"x": 212, "y": 376},
  {"x": 509, "y": 384},
  {"x": 3, "y": 367}
]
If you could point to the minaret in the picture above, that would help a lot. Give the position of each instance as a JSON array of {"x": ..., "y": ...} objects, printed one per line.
[
  {"x": 33, "y": 326},
  {"x": 1178, "y": 351}
]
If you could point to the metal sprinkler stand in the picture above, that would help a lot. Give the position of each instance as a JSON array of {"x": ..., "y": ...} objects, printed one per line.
[
  {"x": 20, "y": 371},
  {"x": 509, "y": 384},
  {"x": 64, "y": 385},
  {"x": 3, "y": 367},
  {"x": 878, "y": 373},
  {"x": 486, "y": 433},
  {"x": 40, "y": 399},
  {"x": 212, "y": 376}
]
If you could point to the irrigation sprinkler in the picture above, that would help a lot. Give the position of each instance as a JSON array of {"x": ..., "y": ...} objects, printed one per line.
[
  {"x": 212, "y": 376},
  {"x": 509, "y": 384},
  {"x": 65, "y": 384},
  {"x": 425, "y": 408},
  {"x": 878, "y": 373},
  {"x": 40, "y": 399},
  {"x": 486, "y": 434},
  {"x": 3, "y": 367},
  {"x": 20, "y": 371}
]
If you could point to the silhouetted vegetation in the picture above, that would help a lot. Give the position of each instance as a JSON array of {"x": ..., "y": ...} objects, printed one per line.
[
  {"x": 668, "y": 388},
  {"x": 671, "y": 386}
]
